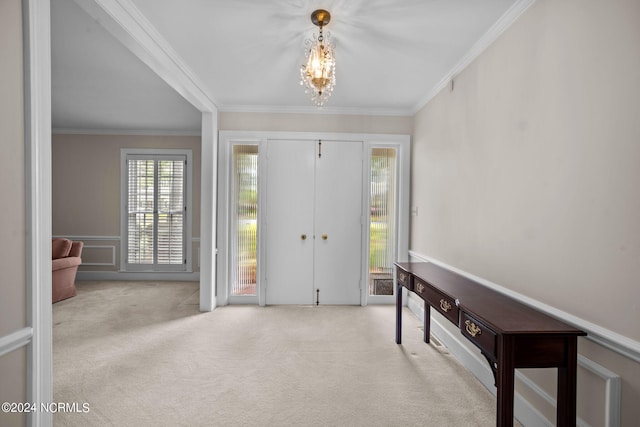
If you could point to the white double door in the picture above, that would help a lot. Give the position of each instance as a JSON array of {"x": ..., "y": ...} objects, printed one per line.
[{"x": 313, "y": 244}]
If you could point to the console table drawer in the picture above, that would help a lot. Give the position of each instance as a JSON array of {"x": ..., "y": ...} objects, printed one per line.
[
  {"x": 479, "y": 334},
  {"x": 404, "y": 278},
  {"x": 445, "y": 305}
]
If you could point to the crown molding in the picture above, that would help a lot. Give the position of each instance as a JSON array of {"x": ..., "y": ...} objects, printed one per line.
[
  {"x": 280, "y": 109},
  {"x": 128, "y": 132},
  {"x": 505, "y": 21},
  {"x": 126, "y": 23},
  {"x": 500, "y": 26}
]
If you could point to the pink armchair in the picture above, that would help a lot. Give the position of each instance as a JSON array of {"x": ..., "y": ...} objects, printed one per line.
[{"x": 65, "y": 256}]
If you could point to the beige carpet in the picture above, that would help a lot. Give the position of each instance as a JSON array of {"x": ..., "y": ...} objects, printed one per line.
[{"x": 141, "y": 354}]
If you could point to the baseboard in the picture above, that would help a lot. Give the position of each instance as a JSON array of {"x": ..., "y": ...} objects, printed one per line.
[
  {"x": 524, "y": 412},
  {"x": 142, "y": 276}
]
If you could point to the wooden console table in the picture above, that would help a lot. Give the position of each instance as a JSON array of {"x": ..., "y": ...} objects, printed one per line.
[{"x": 509, "y": 334}]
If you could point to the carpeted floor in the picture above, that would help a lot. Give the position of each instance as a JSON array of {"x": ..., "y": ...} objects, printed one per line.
[{"x": 141, "y": 354}]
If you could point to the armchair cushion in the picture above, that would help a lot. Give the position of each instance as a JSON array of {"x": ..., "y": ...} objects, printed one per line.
[
  {"x": 76, "y": 249},
  {"x": 60, "y": 248},
  {"x": 65, "y": 259}
]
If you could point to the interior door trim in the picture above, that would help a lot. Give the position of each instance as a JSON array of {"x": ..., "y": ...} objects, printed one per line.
[{"x": 227, "y": 138}]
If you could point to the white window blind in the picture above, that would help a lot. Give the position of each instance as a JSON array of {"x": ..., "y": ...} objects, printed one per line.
[
  {"x": 156, "y": 209},
  {"x": 171, "y": 212},
  {"x": 141, "y": 206}
]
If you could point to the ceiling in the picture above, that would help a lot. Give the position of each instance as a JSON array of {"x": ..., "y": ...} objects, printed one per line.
[{"x": 245, "y": 55}]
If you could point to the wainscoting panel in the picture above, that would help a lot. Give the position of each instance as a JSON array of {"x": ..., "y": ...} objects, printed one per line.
[
  {"x": 103, "y": 255},
  {"x": 525, "y": 412},
  {"x": 101, "y": 261}
]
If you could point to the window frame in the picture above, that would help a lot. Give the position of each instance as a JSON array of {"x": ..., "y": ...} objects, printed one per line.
[
  {"x": 156, "y": 154},
  {"x": 391, "y": 252},
  {"x": 233, "y": 226},
  {"x": 402, "y": 145}
]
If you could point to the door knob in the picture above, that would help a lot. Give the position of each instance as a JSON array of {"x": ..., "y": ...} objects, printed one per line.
[
  {"x": 325, "y": 237},
  {"x": 303, "y": 237}
]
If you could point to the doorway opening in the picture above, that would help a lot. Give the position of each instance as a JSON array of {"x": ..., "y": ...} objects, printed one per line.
[
  {"x": 313, "y": 240},
  {"x": 302, "y": 212}
]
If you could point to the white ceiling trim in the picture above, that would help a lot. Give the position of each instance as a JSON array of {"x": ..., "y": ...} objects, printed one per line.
[
  {"x": 315, "y": 110},
  {"x": 123, "y": 20},
  {"x": 505, "y": 21},
  {"x": 134, "y": 132},
  {"x": 126, "y": 23}
]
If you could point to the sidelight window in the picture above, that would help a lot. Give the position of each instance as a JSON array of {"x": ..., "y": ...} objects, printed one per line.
[
  {"x": 382, "y": 228},
  {"x": 244, "y": 220}
]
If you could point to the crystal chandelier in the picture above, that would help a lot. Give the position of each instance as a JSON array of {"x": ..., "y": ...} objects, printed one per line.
[{"x": 318, "y": 75}]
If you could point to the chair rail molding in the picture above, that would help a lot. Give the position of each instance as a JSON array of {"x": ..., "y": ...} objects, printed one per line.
[
  {"x": 15, "y": 340},
  {"x": 602, "y": 336},
  {"x": 82, "y": 238}
]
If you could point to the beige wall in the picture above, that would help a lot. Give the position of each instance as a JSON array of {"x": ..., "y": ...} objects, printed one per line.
[
  {"x": 527, "y": 174},
  {"x": 12, "y": 194},
  {"x": 86, "y": 173},
  {"x": 86, "y": 188},
  {"x": 315, "y": 123}
]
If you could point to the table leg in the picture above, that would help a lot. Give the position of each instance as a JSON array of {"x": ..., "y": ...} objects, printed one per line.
[
  {"x": 567, "y": 377},
  {"x": 399, "y": 314},
  {"x": 506, "y": 375},
  {"x": 427, "y": 322}
]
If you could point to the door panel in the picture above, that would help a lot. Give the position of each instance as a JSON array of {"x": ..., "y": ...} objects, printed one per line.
[
  {"x": 289, "y": 210},
  {"x": 337, "y": 267},
  {"x": 313, "y": 195}
]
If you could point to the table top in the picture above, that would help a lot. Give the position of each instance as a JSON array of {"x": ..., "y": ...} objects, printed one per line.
[{"x": 500, "y": 312}]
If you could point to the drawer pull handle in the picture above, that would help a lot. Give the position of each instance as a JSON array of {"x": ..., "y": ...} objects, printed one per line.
[
  {"x": 420, "y": 287},
  {"x": 403, "y": 277},
  {"x": 445, "y": 305},
  {"x": 472, "y": 328}
]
